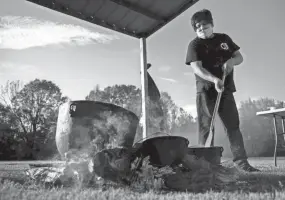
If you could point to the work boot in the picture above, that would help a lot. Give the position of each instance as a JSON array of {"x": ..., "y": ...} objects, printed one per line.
[{"x": 245, "y": 166}]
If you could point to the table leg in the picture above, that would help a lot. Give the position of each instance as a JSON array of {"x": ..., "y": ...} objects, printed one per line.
[{"x": 276, "y": 140}]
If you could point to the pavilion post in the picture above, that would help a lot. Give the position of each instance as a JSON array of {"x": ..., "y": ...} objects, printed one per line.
[{"x": 144, "y": 86}]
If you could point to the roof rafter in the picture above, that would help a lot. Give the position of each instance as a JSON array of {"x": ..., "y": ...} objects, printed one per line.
[
  {"x": 91, "y": 18},
  {"x": 95, "y": 20},
  {"x": 142, "y": 22},
  {"x": 183, "y": 8},
  {"x": 138, "y": 9}
]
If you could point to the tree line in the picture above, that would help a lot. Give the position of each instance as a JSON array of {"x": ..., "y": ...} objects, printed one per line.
[{"x": 28, "y": 117}]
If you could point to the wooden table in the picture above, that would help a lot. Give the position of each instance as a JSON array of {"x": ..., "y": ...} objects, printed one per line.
[{"x": 274, "y": 114}]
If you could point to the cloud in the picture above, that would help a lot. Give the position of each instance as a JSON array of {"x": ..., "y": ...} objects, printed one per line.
[
  {"x": 164, "y": 69},
  {"x": 25, "y": 32},
  {"x": 168, "y": 79},
  {"x": 191, "y": 109}
]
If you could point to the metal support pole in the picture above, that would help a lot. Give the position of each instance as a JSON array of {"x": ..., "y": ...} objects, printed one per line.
[
  {"x": 283, "y": 126},
  {"x": 276, "y": 140},
  {"x": 144, "y": 86},
  {"x": 283, "y": 130}
]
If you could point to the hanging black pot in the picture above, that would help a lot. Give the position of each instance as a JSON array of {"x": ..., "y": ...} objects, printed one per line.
[{"x": 164, "y": 150}]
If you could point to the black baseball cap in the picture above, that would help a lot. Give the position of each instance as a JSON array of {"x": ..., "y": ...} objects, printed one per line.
[{"x": 202, "y": 15}]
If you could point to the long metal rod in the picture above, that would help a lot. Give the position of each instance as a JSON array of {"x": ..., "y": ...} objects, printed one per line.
[
  {"x": 210, "y": 139},
  {"x": 276, "y": 140},
  {"x": 144, "y": 84},
  {"x": 26, "y": 165},
  {"x": 217, "y": 105},
  {"x": 31, "y": 162}
]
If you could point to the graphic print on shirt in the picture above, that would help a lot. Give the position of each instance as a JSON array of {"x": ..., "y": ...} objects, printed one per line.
[
  {"x": 222, "y": 50},
  {"x": 224, "y": 46}
]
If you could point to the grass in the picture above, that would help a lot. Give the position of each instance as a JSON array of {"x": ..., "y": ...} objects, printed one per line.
[{"x": 268, "y": 184}]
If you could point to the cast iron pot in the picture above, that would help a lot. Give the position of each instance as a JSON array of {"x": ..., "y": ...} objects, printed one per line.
[
  {"x": 170, "y": 150},
  {"x": 164, "y": 150},
  {"x": 82, "y": 122}
]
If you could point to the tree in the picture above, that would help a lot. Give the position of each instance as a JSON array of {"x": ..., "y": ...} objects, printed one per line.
[
  {"x": 7, "y": 110},
  {"x": 126, "y": 96},
  {"x": 37, "y": 104},
  {"x": 33, "y": 109},
  {"x": 129, "y": 97}
]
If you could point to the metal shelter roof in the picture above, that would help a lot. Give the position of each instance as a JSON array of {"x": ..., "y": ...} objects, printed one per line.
[{"x": 136, "y": 18}]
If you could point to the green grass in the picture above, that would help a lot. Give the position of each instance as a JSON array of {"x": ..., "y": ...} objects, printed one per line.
[{"x": 269, "y": 184}]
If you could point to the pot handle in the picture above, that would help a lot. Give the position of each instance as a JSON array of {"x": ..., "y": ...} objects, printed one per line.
[
  {"x": 222, "y": 150},
  {"x": 72, "y": 109},
  {"x": 187, "y": 142}
]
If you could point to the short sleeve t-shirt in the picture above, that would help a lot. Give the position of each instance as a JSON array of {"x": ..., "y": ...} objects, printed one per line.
[{"x": 213, "y": 53}]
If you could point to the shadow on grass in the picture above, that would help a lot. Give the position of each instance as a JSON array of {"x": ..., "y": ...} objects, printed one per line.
[{"x": 258, "y": 182}]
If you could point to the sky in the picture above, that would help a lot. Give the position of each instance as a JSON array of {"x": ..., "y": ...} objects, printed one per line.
[{"x": 36, "y": 42}]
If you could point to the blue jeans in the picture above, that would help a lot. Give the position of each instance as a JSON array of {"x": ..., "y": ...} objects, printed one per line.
[{"x": 228, "y": 113}]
